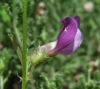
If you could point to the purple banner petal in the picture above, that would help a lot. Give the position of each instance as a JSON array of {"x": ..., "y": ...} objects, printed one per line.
[
  {"x": 67, "y": 33},
  {"x": 77, "y": 18},
  {"x": 74, "y": 45}
]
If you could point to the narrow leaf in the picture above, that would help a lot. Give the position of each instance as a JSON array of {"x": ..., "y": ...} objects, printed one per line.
[{"x": 18, "y": 50}]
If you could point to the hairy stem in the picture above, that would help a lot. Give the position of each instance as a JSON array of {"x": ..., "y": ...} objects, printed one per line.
[{"x": 24, "y": 53}]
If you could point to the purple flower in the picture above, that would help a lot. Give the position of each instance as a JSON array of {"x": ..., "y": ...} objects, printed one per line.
[
  {"x": 67, "y": 42},
  {"x": 69, "y": 38}
]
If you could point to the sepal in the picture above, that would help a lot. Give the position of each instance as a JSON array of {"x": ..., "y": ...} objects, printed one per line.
[{"x": 38, "y": 56}]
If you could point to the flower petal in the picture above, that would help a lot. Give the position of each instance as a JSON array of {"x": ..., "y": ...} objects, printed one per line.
[
  {"x": 77, "y": 18},
  {"x": 74, "y": 45},
  {"x": 67, "y": 34}
]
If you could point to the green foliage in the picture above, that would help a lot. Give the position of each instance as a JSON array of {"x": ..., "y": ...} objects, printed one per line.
[
  {"x": 81, "y": 70},
  {"x": 4, "y": 59}
]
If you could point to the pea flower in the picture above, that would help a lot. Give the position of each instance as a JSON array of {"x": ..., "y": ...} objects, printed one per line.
[
  {"x": 69, "y": 38},
  {"x": 68, "y": 41}
]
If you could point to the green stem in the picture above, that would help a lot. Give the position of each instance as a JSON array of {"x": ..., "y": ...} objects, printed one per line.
[
  {"x": 1, "y": 82},
  {"x": 24, "y": 53}
]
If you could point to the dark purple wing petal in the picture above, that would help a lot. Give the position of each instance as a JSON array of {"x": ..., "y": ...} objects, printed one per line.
[
  {"x": 74, "y": 45},
  {"x": 77, "y": 18},
  {"x": 67, "y": 34}
]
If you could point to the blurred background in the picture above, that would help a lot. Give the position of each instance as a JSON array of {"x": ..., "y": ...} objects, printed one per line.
[{"x": 80, "y": 70}]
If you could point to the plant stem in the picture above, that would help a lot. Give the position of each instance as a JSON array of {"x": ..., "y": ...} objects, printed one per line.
[
  {"x": 1, "y": 82},
  {"x": 24, "y": 53}
]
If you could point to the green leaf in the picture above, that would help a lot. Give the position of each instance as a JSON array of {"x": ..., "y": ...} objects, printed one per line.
[{"x": 18, "y": 50}]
